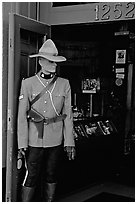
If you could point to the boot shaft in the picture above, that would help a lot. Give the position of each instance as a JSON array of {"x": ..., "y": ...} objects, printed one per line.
[
  {"x": 27, "y": 193},
  {"x": 49, "y": 192}
]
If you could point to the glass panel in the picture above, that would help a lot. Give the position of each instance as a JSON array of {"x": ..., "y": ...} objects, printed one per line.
[
  {"x": 24, "y": 66},
  {"x": 30, "y": 44}
]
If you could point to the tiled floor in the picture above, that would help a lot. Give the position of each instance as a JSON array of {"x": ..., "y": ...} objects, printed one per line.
[{"x": 110, "y": 187}]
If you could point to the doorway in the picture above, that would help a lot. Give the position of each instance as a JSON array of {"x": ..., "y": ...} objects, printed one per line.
[{"x": 90, "y": 50}]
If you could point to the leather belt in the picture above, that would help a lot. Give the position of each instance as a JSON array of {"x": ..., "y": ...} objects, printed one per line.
[{"x": 55, "y": 119}]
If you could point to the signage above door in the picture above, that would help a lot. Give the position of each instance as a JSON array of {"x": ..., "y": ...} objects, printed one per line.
[
  {"x": 110, "y": 11},
  {"x": 96, "y": 12}
]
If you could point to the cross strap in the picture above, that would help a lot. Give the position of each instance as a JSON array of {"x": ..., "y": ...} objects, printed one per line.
[{"x": 43, "y": 91}]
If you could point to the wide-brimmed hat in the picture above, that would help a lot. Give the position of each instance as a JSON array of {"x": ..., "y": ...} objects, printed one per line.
[{"x": 49, "y": 52}]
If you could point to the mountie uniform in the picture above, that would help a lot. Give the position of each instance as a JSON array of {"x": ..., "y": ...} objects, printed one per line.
[
  {"x": 55, "y": 101},
  {"x": 44, "y": 124}
]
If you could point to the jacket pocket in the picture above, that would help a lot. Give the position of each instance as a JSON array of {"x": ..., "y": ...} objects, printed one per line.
[
  {"x": 58, "y": 101},
  {"x": 58, "y": 98}
]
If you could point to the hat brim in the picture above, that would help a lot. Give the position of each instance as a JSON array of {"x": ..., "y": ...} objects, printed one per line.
[{"x": 49, "y": 57}]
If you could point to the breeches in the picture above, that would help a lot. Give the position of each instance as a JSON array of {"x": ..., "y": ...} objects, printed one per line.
[{"x": 42, "y": 163}]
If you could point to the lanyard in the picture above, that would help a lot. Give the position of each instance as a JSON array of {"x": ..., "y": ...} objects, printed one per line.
[{"x": 50, "y": 93}]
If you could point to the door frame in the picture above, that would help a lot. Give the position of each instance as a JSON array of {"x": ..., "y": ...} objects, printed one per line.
[{"x": 16, "y": 23}]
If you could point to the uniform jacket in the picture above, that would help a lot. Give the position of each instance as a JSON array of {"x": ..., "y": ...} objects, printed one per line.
[{"x": 56, "y": 99}]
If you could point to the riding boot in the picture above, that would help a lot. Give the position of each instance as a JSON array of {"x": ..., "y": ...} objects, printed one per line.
[
  {"x": 49, "y": 192},
  {"x": 27, "y": 193}
]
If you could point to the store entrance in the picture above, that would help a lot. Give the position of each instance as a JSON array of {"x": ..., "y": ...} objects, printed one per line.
[{"x": 100, "y": 68}]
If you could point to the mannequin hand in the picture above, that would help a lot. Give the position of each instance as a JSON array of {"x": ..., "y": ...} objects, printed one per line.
[{"x": 71, "y": 152}]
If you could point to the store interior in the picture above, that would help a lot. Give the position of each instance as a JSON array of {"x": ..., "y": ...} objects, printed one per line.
[{"x": 90, "y": 50}]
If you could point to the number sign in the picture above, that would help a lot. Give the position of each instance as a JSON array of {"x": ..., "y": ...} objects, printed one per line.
[{"x": 110, "y": 11}]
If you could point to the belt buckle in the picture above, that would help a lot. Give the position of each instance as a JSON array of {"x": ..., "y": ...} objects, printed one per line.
[{"x": 46, "y": 121}]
